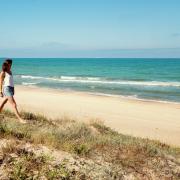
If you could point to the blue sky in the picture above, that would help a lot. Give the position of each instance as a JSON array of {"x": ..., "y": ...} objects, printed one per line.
[{"x": 89, "y": 28}]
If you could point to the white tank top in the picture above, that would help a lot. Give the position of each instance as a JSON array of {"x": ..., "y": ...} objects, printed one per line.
[{"x": 8, "y": 80}]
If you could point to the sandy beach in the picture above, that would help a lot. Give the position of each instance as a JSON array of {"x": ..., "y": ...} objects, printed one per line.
[{"x": 154, "y": 120}]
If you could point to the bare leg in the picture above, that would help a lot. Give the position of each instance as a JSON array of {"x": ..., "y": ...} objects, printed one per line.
[
  {"x": 13, "y": 103},
  {"x": 5, "y": 99}
]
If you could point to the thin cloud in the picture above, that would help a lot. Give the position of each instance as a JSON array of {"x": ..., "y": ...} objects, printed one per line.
[{"x": 176, "y": 35}]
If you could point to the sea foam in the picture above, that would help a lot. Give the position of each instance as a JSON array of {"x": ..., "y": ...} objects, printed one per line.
[{"x": 98, "y": 80}]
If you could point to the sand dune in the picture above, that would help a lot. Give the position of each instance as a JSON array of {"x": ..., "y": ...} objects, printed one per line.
[{"x": 154, "y": 120}]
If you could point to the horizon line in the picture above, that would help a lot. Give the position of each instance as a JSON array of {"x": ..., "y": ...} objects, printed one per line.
[{"x": 92, "y": 57}]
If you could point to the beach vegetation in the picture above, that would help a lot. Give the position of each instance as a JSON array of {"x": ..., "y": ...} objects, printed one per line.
[{"x": 92, "y": 141}]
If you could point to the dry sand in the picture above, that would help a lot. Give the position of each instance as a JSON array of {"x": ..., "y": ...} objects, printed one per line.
[{"x": 154, "y": 120}]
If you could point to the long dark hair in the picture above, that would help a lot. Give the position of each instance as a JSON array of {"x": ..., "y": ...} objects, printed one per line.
[
  {"x": 5, "y": 67},
  {"x": 9, "y": 61}
]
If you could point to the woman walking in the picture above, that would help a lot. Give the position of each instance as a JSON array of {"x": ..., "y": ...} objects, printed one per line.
[{"x": 7, "y": 88}]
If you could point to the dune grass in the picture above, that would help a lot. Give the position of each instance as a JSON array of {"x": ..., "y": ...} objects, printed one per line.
[
  {"x": 91, "y": 140},
  {"x": 23, "y": 164},
  {"x": 75, "y": 136}
]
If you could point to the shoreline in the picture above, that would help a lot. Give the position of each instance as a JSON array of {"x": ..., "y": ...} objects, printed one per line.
[
  {"x": 133, "y": 98},
  {"x": 140, "y": 118},
  {"x": 120, "y": 97}
]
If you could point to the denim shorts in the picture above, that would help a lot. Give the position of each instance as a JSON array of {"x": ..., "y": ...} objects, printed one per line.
[{"x": 8, "y": 91}]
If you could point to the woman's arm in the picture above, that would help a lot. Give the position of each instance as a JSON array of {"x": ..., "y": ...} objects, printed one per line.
[{"x": 2, "y": 76}]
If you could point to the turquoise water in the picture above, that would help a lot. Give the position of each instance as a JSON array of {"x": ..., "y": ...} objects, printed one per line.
[{"x": 155, "y": 79}]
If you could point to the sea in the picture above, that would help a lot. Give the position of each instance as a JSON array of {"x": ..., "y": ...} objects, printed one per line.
[{"x": 138, "y": 78}]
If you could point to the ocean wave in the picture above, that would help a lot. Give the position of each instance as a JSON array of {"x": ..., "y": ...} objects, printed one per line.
[
  {"x": 79, "y": 78},
  {"x": 98, "y": 80},
  {"x": 30, "y": 83},
  {"x": 31, "y": 77}
]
